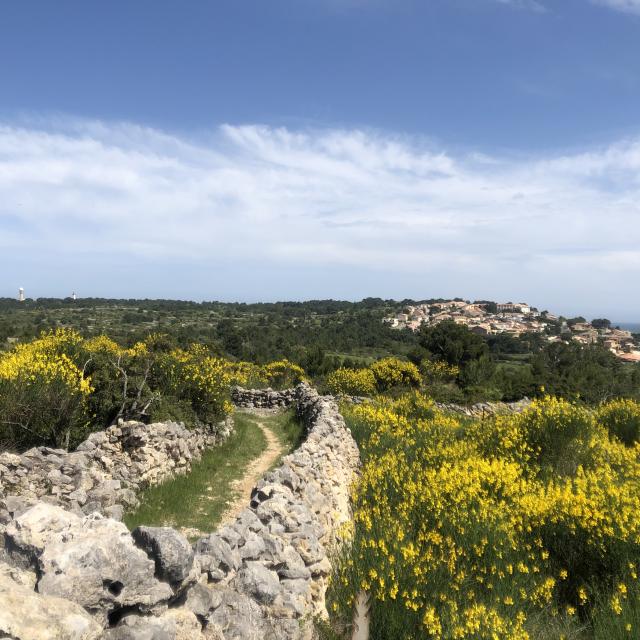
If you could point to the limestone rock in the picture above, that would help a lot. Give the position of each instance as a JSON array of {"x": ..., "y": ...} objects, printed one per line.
[
  {"x": 200, "y": 600},
  {"x": 169, "y": 549},
  {"x": 214, "y": 552},
  {"x": 27, "y": 615},
  {"x": 261, "y": 583},
  {"x": 91, "y": 561},
  {"x": 237, "y": 618}
]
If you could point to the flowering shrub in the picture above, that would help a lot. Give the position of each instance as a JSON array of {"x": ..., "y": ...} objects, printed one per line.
[
  {"x": 283, "y": 374},
  {"x": 382, "y": 375},
  {"x": 438, "y": 370},
  {"x": 483, "y": 530},
  {"x": 392, "y": 372},
  {"x": 200, "y": 379},
  {"x": 43, "y": 393},
  {"x": 352, "y": 382},
  {"x": 55, "y": 388},
  {"x": 622, "y": 419}
]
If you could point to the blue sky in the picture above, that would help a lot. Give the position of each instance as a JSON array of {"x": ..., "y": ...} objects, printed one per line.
[{"x": 326, "y": 148}]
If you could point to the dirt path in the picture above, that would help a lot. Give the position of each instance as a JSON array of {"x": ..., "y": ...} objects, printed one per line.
[{"x": 258, "y": 467}]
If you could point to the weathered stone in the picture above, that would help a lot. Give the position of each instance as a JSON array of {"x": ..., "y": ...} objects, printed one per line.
[
  {"x": 214, "y": 552},
  {"x": 253, "y": 547},
  {"x": 23, "y": 577},
  {"x": 169, "y": 549},
  {"x": 256, "y": 580},
  {"x": 27, "y": 615},
  {"x": 91, "y": 561},
  {"x": 291, "y": 565},
  {"x": 137, "y": 627},
  {"x": 238, "y": 618},
  {"x": 200, "y": 600}
]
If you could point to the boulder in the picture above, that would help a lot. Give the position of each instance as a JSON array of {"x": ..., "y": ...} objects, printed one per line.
[
  {"x": 91, "y": 561},
  {"x": 214, "y": 552},
  {"x": 260, "y": 583},
  {"x": 200, "y": 600},
  {"x": 237, "y": 618},
  {"x": 27, "y": 615},
  {"x": 170, "y": 550}
]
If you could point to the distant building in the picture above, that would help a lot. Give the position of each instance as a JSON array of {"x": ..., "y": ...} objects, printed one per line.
[
  {"x": 481, "y": 329},
  {"x": 518, "y": 307},
  {"x": 20, "y": 294}
]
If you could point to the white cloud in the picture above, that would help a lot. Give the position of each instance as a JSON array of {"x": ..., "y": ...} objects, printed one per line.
[
  {"x": 627, "y": 6},
  {"x": 374, "y": 208}
]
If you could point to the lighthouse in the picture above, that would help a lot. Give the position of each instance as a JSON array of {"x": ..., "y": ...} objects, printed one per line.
[{"x": 20, "y": 294}]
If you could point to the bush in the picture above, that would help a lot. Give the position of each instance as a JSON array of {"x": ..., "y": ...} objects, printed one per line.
[
  {"x": 43, "y": 394},
  {"x": 283, "y": 374},
  {"x": 438, "y": 371},
  {"x": 203, "y": 380},
  {"x": 621, "y": 418},
  {"x": 55, "y": 388},
  {"x": 352, "y": 382},
  {"x": 125, "y": 381},
  {"x": 556, "y": 432},
  {"x": 466, "y": 530},
  {"x": 392, "y": 372}
]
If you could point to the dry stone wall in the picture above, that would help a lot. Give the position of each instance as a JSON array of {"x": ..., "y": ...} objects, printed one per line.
[
  {"x": 262, "y": 398},
  {"x": 478, "y": 410},
  {"x": 486, "y": 409},
  {"x": 263, "y": 576},
  {"x": 106, "y": 471}
]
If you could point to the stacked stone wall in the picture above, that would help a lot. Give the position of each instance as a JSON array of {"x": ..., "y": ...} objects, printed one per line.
[
  {"x": 262, "y": 576},
  {"x": 262, "y": 398},
  {"x": 107, "y": 470}
]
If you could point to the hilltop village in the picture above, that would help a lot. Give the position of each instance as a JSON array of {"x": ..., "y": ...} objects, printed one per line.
[{"x": 490, "y": 318}]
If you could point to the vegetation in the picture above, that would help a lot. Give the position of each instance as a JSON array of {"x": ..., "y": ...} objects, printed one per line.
[
  {"x": 383, "y": 375},
  {"x": 60, "y": 386},
  {"x": 523, "y": 526},
  {"x": 322, "y": 336}
]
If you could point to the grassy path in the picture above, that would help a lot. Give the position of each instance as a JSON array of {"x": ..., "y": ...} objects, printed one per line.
[
  {"x": 219, "y": 484},
  {"x": 259, "y": 466}
]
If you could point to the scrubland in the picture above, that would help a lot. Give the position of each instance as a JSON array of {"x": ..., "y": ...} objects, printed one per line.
[{"x": 520, "y": 526}]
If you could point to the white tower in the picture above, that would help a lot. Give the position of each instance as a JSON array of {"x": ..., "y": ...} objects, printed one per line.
[
  {"x": 73, "y": 296},
  {"x": 20, "y": 294}
]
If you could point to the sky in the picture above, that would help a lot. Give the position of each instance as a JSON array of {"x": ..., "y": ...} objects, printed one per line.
[{"x": 304, "y": 149}]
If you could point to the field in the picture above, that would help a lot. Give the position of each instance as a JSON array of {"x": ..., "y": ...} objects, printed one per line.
[{"x": 515, "y": 527}]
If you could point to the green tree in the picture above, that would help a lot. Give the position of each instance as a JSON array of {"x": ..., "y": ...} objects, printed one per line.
[{"x": 453, "y": 343}]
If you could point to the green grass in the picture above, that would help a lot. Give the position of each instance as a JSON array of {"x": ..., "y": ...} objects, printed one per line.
[
  {"x": 287, "y": 429},
  {"x": 198, "y": 499}
]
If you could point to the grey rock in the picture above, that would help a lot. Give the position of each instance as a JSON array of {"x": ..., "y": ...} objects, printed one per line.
[
  {"x": 28, "y": 615},
  {"x": 91, "y": 561},
  {"x": 201, "y": 600},
  {"x": 115, "y": 511},
  {"x": 238, "y": 618},
  {"x": 291, "y": 565},
  {"x": 136, "y": 627},
  {"x": 261, "y": 583},
  {"x": 214, "y": 552},
  {"x": 170, "y": 550},
  {"x": 253, "y": 547}
]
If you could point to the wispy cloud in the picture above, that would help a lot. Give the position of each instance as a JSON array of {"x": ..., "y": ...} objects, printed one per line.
[
  {"x": 371, "y": 207},
  {"x": 627, "y": 6}
]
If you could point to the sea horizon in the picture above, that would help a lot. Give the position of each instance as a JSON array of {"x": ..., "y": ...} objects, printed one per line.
[{"x": 634, "y": 327}]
